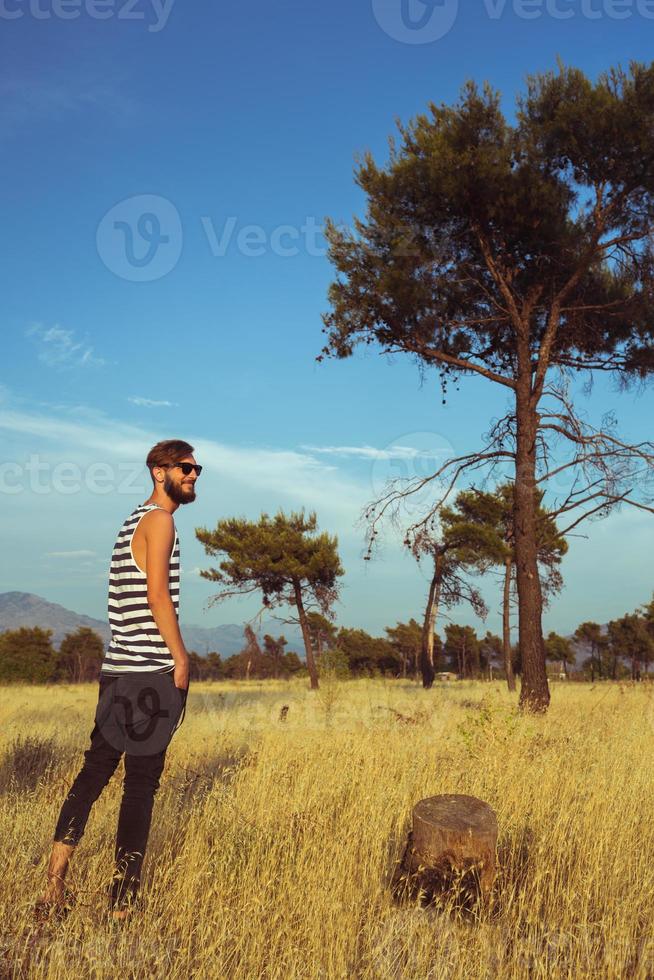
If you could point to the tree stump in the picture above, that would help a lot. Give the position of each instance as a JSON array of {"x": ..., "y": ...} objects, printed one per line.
[{"x": 452, "y": 832}]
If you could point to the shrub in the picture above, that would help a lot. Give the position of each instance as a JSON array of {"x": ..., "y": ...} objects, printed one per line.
[{"x": 28, "y": 760}]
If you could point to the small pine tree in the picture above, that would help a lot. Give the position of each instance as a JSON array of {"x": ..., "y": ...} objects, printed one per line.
[{"x": 27, "y": 654}]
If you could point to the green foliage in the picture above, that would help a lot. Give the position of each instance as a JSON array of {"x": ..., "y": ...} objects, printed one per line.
[
  {"x": 630, "y": 638},
  {"x": 27, "y": 654},
  {"x": 235, "y": 667},
  {"x": 256, "y": 664},
  {"x": 477, "y": 524},
  {"x": 195, "y": 661},
  {"x": 335, "y": 663},
  {"x": 491, "y": 723},
  {"x": 462, "y": 650},
  {"x": 80, "y": 656},
  {"x": 322, "y": 630},
  {"x": 406, "y": 640},
  {"x": 293, "y": 664},
  {"x": 284, "y": 558},
  {"x": 485, "y": 522},
  {"x": 472, "y": 209},
  {"x": 272, "y": 656},
  {"x": 589, "y": 635},
  {"x": 273, "y": 556},
  {"x": 367, "y": 655},
  {"x": 215, "y": 669},
  {"x": 559, "y": 648}
]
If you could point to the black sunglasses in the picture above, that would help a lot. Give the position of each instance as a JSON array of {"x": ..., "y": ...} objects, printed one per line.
[{"x": 186, "y": 468}]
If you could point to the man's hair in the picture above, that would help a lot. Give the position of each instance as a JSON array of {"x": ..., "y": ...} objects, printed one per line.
[{"x": 167, "y": 451}]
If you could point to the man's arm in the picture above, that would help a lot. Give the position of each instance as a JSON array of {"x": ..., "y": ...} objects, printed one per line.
[{"x": 159, "y": 533}]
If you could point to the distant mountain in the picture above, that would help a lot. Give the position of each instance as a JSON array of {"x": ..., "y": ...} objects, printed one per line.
[
  {"x": 26, "y": 609},
  {"x": 228, "y": 638}
]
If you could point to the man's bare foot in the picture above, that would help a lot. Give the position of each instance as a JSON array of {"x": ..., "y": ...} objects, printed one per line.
[
  {"x": 45, "y": 911},
  {"x": 55, "y": 894}
]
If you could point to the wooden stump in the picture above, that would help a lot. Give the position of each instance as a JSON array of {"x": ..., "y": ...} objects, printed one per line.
[{"x": 453, "y": 832}]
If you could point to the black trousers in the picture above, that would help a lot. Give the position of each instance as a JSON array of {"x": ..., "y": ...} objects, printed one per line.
[{"x": 136, "y": 714}]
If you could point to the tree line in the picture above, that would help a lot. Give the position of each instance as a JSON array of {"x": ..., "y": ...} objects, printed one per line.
[
  {"x": 28, "y": 655},
  {"x": 623, "y": 649}
]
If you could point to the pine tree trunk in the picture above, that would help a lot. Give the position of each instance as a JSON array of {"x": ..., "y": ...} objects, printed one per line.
[
  {"x": 506, "y": 625},
  {"x": 306, "y": 635},
  {"x": 427, "y": 649},
  {"x": 534, "y": 690}
]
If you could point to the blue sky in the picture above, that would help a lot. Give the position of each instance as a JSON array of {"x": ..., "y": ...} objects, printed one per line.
[{"x": 212, "y": 140}]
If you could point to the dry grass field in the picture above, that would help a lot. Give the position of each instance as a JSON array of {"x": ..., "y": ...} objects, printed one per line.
[{"x": 274, "y": 841}]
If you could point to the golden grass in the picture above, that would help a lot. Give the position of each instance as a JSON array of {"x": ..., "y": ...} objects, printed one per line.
[{"x": 273, "y": 842}]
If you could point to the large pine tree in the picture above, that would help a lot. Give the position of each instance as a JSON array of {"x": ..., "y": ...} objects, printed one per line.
[{"x": 513, "y": 251}]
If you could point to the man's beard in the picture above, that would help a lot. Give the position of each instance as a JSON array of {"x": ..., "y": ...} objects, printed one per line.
[{"x": 178, "y": 493}]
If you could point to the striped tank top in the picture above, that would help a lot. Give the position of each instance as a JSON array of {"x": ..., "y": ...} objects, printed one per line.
[{"x": 136, "y": 645}]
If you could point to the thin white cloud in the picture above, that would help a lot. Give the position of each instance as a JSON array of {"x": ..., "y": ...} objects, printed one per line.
[
  {"x": 57, "y": 347},
  {"x": 233, "y": 471},
  {"x": 150, "y": 402},
  {"x": 29, "y": 99},
  {"x": 82, "y": 553},
  {"x": 370, "y": 452}
]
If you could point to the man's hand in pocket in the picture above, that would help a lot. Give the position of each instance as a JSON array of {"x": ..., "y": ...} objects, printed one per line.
[{"x": 181, "y": 674}]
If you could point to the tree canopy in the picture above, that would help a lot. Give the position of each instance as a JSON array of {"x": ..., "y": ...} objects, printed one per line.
[
  {"x": 283, "y": 558},
  {"x": 27, "y": 654}
]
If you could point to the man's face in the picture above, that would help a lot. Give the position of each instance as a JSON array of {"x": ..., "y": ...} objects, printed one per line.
[{"x": 177, "y": 485}]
